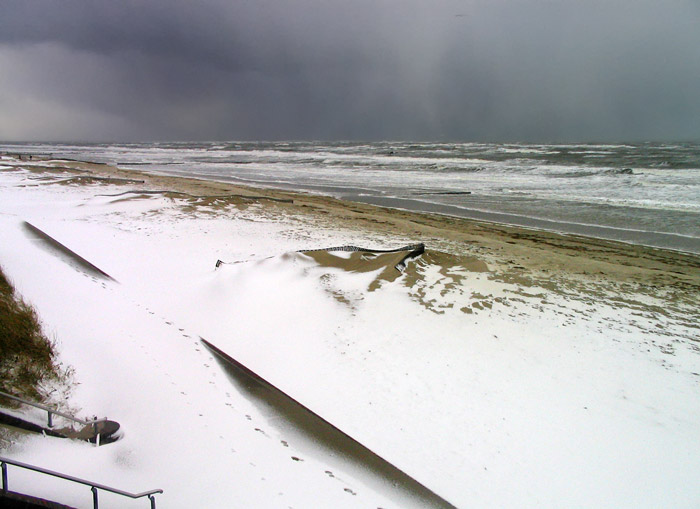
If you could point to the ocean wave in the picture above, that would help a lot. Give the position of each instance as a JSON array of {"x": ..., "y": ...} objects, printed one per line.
[{"x": 662, "y": 178}]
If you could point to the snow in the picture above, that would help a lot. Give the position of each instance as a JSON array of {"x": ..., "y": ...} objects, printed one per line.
[{"x": 521, "y": 404}]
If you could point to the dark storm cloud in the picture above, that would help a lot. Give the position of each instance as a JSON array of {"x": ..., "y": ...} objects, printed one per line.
[{"x": 486, "y": 70}]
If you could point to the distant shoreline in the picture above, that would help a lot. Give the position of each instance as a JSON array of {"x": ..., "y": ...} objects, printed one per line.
[
  {"x": 513, "y": 251},
  {"x": 657, "y": 240},
  {"x": 635, "y": 237}
]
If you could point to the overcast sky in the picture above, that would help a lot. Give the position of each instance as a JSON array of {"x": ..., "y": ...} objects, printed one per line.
[{"x": 471, "y": 70}]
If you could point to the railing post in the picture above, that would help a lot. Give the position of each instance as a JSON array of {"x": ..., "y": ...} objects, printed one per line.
[
  {"x": 5, "y": 487},
  {"x": 97, "y": 435},
  {"x": 153, "y": 501},
  {"x": 94, "y": 497},
  {"x": 50, "y": 419}
]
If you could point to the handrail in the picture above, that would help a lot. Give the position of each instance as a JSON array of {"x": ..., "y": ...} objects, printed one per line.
[
  {"x": 93, "y": 485},
  {"x": 52, "y": 411}
]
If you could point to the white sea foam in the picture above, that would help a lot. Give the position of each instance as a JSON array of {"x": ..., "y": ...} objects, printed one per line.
[{"x": 647, "y": 179}]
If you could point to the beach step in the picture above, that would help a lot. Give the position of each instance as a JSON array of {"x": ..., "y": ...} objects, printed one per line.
[
  {"x": 97, "y": 431},
  {"x": 12, "y": 500}
]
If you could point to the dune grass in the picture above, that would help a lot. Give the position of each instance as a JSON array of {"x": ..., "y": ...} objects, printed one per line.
[{"x": 28, "y": 366}]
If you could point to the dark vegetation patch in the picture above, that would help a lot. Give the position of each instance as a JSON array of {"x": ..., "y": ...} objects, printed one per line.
[{"x": 28, "y": 365}]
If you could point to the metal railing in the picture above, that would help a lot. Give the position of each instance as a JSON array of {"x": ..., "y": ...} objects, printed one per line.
[
  {"x": 93, "y": 485},
  {"x": 53, "y": 411}
]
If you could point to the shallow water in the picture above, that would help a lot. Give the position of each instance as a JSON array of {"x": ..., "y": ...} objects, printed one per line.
[{"x": 640, "y": 193}]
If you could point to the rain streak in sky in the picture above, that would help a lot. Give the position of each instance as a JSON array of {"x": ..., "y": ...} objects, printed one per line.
[{"x": 501, "y": 70}]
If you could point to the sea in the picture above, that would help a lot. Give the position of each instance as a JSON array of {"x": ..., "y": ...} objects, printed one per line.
[{"x": 645, "y": 193}]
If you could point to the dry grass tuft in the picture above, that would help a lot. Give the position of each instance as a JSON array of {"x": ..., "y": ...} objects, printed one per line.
[{"x": 28, "y": 366}]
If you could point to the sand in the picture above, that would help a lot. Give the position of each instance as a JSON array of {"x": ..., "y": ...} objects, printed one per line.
[
  {"x": 568, "y": 264},
  {"x": 647, "y": 280}
]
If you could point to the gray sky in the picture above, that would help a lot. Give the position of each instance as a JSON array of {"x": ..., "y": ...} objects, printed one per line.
[{"x": 482, "y": 70}]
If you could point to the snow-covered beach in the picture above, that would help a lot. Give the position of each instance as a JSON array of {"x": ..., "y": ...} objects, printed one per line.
[{"x": 503, "y": 367}]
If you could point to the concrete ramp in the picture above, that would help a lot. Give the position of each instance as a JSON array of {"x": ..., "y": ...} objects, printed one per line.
[
  {"x": 323, "y": 433},
  {"x": 67, "y": 255}
]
